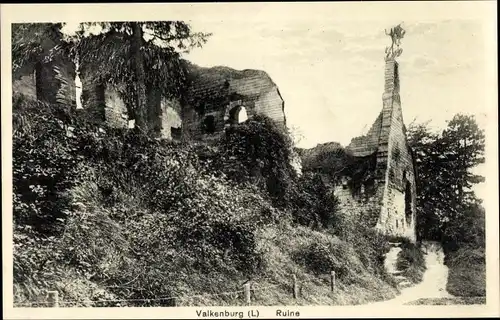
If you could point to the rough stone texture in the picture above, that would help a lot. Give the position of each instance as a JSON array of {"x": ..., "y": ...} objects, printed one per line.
[
  {"x": 387, "y": 200},
  {"x": 214, "y": 98},
  {"x": 51, "y": 82},
  {"x": 64, "y": 75},
  {"x": 215, "y": 94},
  {"x": 368, "y": 144},
  {"x": 364, "y": 205},
  {"x": 171, "y": 121},
  {"x": 115, "y": 110},
  {"x": 24, "y": 81}
]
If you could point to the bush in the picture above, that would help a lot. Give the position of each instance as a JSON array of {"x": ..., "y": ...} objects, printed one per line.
[
  {"x": 467, "y": 272},
  {"x": 260, "y": 151},
  {"x": 44, "y": 164},
  {"x": 411, "y": 261},
  {"x": 129, "y": 203},
  {"x": 314, "y": 204},
  {"x": 468, "y": 229},
  {"x": 321, "y": 258}
]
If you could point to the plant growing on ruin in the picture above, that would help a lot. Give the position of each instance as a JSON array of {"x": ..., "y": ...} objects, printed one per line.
[
  {"x": 141, "y": 54},
  {"x": 258, "y": 150},
  {"x": 34, "y": 42}
]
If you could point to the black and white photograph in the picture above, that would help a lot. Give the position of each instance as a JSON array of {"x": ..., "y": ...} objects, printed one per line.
[{"x": 233, "y": 161}]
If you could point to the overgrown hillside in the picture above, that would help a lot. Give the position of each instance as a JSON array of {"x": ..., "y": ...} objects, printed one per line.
[{"x": 112, "y": 214}]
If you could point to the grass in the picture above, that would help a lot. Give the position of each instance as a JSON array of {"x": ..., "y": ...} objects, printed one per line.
[
  {"x": 467, "y": 272},
  {"x": 281, "y": 245},
  {"x": 411, "y": 262}
]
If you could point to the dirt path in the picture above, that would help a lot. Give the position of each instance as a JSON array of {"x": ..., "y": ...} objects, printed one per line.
[{"x": 433, "y": 284}]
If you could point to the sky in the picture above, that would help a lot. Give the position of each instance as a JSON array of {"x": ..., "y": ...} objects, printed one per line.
[
  {"x": 331, "y": 74},
  {"x": 330, "y": 68}
]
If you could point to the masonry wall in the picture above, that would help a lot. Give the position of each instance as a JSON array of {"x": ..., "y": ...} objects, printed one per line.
[
  {"x": 367, "y": 144},
  {"x": 364, "y": 206},
  {"x": 216, "y": 92},
  {"x": 24, "y": 81},
  {"x": 51, "y": 82},
  {"x": 170, "y": 118},
  {"x": 64, "y": 77},
  {"x": 398, "y": 212},
  {"x": 115, "y": 110}
]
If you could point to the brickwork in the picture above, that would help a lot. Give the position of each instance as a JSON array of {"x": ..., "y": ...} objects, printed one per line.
[
  {"x": 115, "y": 110},
  {"x": 394, "y": 156},
  {"x": 216, "y": 92},
  {"x": 368, "y": 144}
]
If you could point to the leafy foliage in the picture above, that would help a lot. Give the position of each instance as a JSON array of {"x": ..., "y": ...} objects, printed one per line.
[
  {"x": 123, "y": 202},
  {"x": 314, "y": 203},
  {"x": 444, "y": 163},
  {"x": 335, "y": 162},
  {"x": 258, "y": 150},
  {"x": 34, "y": 42},
  {"x": 411, "y": 262},
  {"x": 44, "y": 163}
]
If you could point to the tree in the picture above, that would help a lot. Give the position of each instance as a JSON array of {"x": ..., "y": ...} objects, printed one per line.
[
  {"x": 34, "y": 42},
  {"x": 444, "y": 163},
  {"x": 124, "y": 52},
  {"x": 465, "y": 150}
]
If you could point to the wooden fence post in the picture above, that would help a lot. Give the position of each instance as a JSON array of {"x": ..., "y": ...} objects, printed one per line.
[
  {"x": 332, "y": 281},
  {"x": 295, "y": 287},
  {"x": 246, "y": 289},
  {"x": 53, "y": 299}
]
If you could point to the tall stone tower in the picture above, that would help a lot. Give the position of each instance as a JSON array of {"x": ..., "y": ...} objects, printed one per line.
[{"x": 394, "y": 156}]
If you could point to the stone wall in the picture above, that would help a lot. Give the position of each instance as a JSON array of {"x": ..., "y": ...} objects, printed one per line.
[
  {"x": 115, "y": 110},
  {"x": 51, "y": 82},
  {"x": 216, "y": 93},
  {"x": 64, "y": 76},
  {"x": 171, "y": 121},
  {"x": 24, "y": 81},
  {"x": 367, "y": 144},
  {"x": 364, "y": 205},
  {"x": 398, "y": 212}
]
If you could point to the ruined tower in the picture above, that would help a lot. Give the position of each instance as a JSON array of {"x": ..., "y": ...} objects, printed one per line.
[
  {"x": 382, "y": 190},
  {"x": 394, "y": 156}
]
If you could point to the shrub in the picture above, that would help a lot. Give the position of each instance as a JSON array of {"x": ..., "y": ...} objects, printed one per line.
[
  {"x": 44, "y": 164},
  {"x": 467, "y": 272},
  {"x": 260, "y": 151},
  {"x": 324, "y": 257},
  {"x": 467, "y": 229},
  {"x": 314, "y": 204},
  {"x": 124, "y": 202},
  {"x": 411, "y": 261}
]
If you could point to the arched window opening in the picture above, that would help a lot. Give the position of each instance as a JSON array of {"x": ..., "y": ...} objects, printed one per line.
[
  {"x": 238, "y": 115},
  {"x": 209, "y": 124}
]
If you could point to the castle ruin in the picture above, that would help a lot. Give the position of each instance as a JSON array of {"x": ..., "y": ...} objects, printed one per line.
[
  {"x": 385, "y": 197},
  {"x": 383, "y": 193}
]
